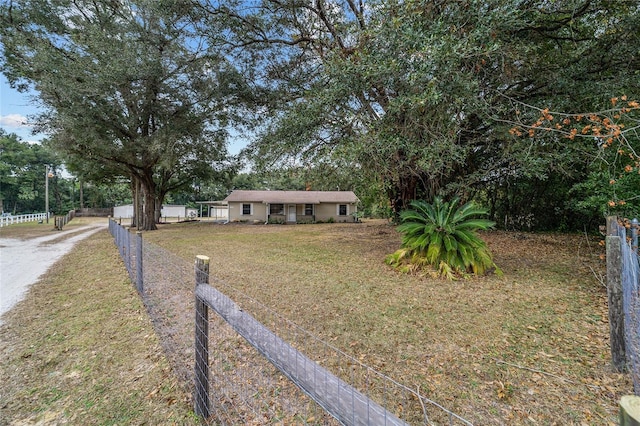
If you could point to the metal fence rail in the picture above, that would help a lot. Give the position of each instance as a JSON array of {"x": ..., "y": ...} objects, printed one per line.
[
  {"x": 299, "y": 347},
  {"x": 259, "y": 367},
  {"x": 340, "y": 399}
]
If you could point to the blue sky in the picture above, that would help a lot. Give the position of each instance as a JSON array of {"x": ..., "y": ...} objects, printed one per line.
[{"x": 15, "y": 108}]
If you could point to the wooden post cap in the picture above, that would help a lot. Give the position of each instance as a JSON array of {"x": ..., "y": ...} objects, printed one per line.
[
  {"x": 630, "y": 410},
  {"x": 202, "y": 258}
]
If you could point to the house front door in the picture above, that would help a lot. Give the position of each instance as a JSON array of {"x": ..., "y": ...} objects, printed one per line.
[{"x": 291, "y": 217}]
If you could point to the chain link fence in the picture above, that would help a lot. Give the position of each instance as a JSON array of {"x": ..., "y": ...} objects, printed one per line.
[{"x": 259, "y": 367}]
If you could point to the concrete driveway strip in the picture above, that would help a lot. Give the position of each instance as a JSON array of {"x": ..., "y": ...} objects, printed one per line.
[{"x": 23, "y": 262}]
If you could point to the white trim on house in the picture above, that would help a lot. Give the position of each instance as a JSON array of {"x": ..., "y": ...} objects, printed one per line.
[
  {"x": 338, "y": 209},
  {"x": 242, "y": 213}
]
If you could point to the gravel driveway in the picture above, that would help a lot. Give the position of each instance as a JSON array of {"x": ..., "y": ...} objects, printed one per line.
[{"x": 22, "y": 262}]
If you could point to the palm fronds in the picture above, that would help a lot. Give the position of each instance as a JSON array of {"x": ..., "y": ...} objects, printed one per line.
[{"x": 443, "y": 235}]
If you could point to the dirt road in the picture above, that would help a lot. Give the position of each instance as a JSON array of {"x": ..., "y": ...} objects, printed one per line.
[{"x": 22, "y": 262}]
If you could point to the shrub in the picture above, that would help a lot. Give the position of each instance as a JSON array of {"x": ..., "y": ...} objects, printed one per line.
[{"x": 443, "y": 236}]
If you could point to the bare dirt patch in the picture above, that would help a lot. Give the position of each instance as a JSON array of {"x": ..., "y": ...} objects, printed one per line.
[{"x": 27, "y": 258}]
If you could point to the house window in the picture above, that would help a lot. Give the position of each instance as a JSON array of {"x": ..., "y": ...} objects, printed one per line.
[
  {"x": 342, "y": 209},
  {"x": 246, "y": 209},
  {"x": 308, "y": 209},
  {"x": 276, "y": 208}
]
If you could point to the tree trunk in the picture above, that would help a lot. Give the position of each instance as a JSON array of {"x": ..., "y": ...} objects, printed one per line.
[
  {"x": 401, "y": 194},
  {"x": 149, "y": 221},
  {"x": 81, "y": 195},
  {"x": 158, "y": 210},
  {"x": 136, "y": 220},
  {"x": 148, "y": 188}
]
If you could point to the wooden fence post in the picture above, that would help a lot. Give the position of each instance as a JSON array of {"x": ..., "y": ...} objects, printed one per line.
[
  {"x": 614, "y": 295},
  {"x": 612, "y": 225},
  {"x": 201, "y": 397},
  {"x": 630, "y": 410}
]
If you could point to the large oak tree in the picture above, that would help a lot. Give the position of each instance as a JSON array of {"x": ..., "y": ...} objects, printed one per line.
[
  {"x": 418, "y": 95},
  {"x": 129, "y": 88}
]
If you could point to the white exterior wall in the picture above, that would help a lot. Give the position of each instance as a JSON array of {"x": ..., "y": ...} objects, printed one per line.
[
  {"x": 325, "y": 211},
  {"x": 219, "y": 212},
  {"x": 258, "y": 212},
  {"x": 125, "y": 212},
  {"x": 173, "y": 211}
]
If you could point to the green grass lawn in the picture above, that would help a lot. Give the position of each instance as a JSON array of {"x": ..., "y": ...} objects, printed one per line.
[
  {"x": 530, "y": 347},
  {"x": 80, "y": 349}
]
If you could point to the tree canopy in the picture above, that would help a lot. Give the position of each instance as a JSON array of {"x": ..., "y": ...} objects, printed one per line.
[
  {"x": 129, "y": 87},
  {"x": 401, "y": 100},
  {"x": 22, "y": 173},
  {"x": 419, "y": 95}
]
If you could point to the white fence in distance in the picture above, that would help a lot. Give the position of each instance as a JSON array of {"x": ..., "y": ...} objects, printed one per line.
[{"x": 10, "y": 220}]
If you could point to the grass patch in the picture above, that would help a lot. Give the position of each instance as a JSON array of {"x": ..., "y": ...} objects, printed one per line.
[
  {"x": 531, "y": 346},
  {"x": 80, "y": 349}
]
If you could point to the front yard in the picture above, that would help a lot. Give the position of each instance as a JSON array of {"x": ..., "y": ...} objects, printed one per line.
[{"x": 530, "y": 347}]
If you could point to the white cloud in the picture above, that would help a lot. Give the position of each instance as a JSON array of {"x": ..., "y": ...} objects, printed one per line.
[{"x": 14, "y": 121}]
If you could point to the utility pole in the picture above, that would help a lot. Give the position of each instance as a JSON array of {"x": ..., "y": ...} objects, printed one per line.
[{"x": 47, "y": 175}]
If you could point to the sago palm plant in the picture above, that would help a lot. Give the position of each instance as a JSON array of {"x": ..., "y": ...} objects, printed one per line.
[{"x": 443, "y": 235}]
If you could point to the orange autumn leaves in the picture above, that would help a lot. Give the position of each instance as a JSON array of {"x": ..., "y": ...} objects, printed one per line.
[{"x": 606, "y": 127}]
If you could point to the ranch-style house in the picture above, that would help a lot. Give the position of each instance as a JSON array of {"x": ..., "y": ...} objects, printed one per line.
[{"x": 292, "y": 206}]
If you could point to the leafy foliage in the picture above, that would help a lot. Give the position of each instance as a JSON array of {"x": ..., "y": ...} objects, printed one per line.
[
  {"x": 613, "y": 148},
  {"x": 415, "y": 94},
  {"x": 397, "y": 100},
  {"x": 443, "y": 235},
  {"x": 22, "y": 181},
  {"x": 129, "y": 89},
  {"x": 22, "y": 175}
]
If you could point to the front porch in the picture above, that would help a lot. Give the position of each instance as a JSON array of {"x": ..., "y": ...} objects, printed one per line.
[{"x": 290, "y": 213}]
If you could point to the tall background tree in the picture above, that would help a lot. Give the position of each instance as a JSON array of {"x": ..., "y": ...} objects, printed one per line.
[
  {"x": 572, "y": 57},
  {"x": 23, "y": 167},
  {"x": 129, "y": 87},
  {"x": 399, "y": 100},
  {"x": 414, "y": 94}
]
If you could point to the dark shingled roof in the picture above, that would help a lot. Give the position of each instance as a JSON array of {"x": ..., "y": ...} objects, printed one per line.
[{"x": 293, "y": 197}]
